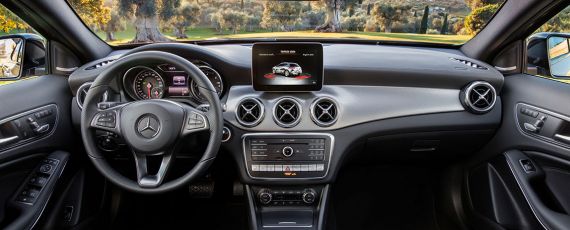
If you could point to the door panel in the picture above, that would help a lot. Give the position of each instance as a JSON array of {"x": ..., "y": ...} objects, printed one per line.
[
  {"x": 521, "y": 179},
  {"x": 34, "y": 129}
]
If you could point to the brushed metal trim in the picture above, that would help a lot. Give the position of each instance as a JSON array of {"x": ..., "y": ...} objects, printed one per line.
[{"x": 355, "y": 104}]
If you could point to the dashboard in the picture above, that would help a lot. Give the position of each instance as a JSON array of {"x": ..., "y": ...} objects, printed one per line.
[{"x": 319, "y": 104}]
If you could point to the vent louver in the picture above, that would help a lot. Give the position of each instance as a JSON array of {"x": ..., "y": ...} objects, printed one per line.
[
  {"x": 479, "y": 97},
  {"x": 100, "y": 64},
  {"x": 249, "y": 112},
  {"x": 324, "y": 111},
  {"x": 287, "y": 112},
  {"x": 469, "y": 63}
]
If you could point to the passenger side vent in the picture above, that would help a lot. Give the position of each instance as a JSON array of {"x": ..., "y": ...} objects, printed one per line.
[
  {"x": 100, "y": 64},
  {"x": 82, "y": 93},
  {"x": 469, "y": 63},
  {"x": 250, "y": 112},
  {"x": 324, "y": 111},
  {"x": 479, "y": 97},
  {"x": 287, "y": 112}
]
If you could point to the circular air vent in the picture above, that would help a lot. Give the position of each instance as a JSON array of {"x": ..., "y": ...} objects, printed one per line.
[
  {"x": 287, "y": 112},
  {"x": 82, "y": 93},
  {"x": 249, "y": 112},
  {"x": 479, "y": 97},
  {"x": 324, "y": 111}
]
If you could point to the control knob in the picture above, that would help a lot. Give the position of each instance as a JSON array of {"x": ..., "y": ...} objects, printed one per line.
[
  {"x": 309, "y": 196},
  {"x": 287, "y": 151},
  {"x": 264, "y": 196}
]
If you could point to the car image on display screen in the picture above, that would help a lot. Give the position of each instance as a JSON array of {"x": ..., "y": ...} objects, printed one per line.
[{"x": 287, "y": 67}]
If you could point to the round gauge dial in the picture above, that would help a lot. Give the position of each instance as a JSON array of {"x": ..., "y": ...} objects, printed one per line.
[
  {"x": 148, "y": 84},
  {"x": 214, "y": 78}
]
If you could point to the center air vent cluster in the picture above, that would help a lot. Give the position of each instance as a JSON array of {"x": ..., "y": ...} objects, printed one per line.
[
  {"x": 324, "y": 111},
  {"x": 479, "y": 97},
  {"x": 287, "y": 112},
  {"x": 250, "y": 112}
]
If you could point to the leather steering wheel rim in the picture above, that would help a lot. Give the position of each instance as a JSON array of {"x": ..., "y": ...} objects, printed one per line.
[{"x": 102, "y": 84}]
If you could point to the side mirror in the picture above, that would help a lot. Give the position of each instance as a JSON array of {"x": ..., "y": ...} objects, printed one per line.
[
  {"x": 558, "y": 50},
  {"x": 21, "y": 55}
]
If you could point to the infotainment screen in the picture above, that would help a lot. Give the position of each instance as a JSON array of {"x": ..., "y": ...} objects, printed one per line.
[{"x": 287, "y": 66}]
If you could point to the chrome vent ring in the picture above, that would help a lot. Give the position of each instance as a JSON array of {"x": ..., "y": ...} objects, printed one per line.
[
  {"x": 250, "y": 112},
  {"x": 287, "y": 112},
  {"x": 479, "y": 97},
  {"x": 324, "y": 111},
  {"x": 82, "y": 94}
]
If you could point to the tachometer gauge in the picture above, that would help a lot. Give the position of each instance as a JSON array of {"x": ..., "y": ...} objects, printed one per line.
[
  {"x": 148, "y": 84},
  {"x": 214, "y": 78}
]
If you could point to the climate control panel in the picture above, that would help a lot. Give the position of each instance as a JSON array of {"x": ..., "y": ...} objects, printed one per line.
[{"x": 292, "y": 155}]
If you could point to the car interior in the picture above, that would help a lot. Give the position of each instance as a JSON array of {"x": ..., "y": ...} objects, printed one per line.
[{"x": 349, "y": 134}]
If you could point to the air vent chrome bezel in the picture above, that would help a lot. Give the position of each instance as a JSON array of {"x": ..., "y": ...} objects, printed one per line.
[
  {"x": 466, "y": 95},
  {"x": 84, "y": 88},
  {"x": 261, "y": 112},
  {"x": 314, "y": 116},
  {"x": 296, "y": 121}
]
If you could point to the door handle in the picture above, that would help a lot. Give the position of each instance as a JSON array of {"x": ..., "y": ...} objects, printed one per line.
[
  {"x": 8, "y": 140},
  {"x": 563, "y": 138}
]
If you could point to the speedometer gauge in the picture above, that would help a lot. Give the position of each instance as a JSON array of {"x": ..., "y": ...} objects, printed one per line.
[
  {"x": 148, "y": 84},
  {"x": 214, "y": 78}
]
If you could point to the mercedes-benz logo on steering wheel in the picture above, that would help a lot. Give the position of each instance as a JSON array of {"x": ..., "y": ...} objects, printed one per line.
[{"x": 148, "y": 126}]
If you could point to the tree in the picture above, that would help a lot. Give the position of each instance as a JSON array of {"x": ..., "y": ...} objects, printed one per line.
[
  {"x": 445, "y": 25},
  {"x": 474, "y": 4},
  {"x": 332, "y": 19},
  {"x": 280, "y": 13},
  {"x": 231, "y": 19},
  {"x": 424, "y": 23},
  {"x": 148, "y": 14},
  {"x": 354, "y": 23},
  {"x": 188, "y": 14},
  {"x": 9, "y": 21},
  {"x": 94, "y": 13},
  {"x": 114, "y": 24},
  {"x": 388, "y": 14},
  {"x": 477, "y": 19}
]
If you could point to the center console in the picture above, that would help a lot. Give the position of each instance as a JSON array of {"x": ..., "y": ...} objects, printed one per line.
[
  {"x": 273, "y": 160},
  {"x": 285, "y": 157},
  {"x": 275, "y": 156}
]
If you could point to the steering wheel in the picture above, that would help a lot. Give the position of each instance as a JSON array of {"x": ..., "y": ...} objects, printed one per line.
[{"x": 151, "y": 127}]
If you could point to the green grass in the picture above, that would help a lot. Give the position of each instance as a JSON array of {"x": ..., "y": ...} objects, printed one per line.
[{"x": 210, "y": 33}]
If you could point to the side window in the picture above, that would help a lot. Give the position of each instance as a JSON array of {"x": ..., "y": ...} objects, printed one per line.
[
  {"x": 22, "y": 50},
  {"x": 548, "y": 49}
]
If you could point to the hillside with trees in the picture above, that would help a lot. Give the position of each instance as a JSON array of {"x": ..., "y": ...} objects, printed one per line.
[{"x": 141, "y": 21}]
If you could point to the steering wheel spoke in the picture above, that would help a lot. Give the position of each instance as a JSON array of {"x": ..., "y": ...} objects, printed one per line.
[
  {"x": 144, "y": 178},
  {"x": 195, "y": 121}
]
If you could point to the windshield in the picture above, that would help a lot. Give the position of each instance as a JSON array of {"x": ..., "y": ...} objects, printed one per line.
[{"x": 146, "y": 21}]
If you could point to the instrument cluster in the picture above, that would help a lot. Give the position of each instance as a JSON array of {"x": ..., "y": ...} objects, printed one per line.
[{"x": 166, "y": 81}]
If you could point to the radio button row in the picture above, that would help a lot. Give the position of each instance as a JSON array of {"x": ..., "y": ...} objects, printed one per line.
[{"x": 288, "y": 168}]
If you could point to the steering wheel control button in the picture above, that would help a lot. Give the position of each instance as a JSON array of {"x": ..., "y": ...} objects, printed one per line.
[
  {"x": 288, "y": 151},
  {"x": 196, "y": 121},
  {"x": 148, "y": 126},
  {"x": 106, "y": 119}
]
